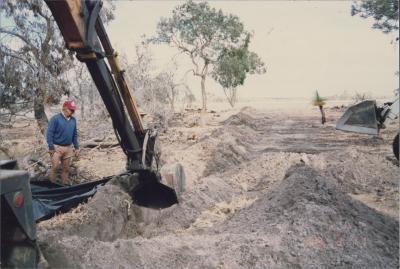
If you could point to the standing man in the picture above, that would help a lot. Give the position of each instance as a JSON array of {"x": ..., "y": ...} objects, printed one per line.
[{"x": 61, "y": 135}]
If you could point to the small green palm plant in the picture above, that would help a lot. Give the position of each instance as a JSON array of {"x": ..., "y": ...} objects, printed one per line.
[{"x": 320, "y": 102}]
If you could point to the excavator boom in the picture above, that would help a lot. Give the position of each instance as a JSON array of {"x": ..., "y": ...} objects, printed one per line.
[{"x": 84, "y": 33}]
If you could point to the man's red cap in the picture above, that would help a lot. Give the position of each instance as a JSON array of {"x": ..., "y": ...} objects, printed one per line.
[{"x": 70, "y": 105}]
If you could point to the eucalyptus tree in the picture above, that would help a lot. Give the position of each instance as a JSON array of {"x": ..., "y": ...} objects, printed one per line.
[
  {"x": 384, "y": 12},
  {"x": 232, "y": 67},
  {"x": 30, "y": 38},
  {"x": 205, "y": 35}
]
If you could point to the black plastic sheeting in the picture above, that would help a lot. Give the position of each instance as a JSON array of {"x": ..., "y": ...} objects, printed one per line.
[{"x": 50, "y": 198}]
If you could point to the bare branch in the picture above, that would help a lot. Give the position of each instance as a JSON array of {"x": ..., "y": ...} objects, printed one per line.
[
  {"x": 187, "y": 72},
  {"x": 40, "y": 12},
  {"x": 195, "y": 64},
  {"x": 205, "y": 69},
  {"x": 13, "y": 54},
  {"x": 21, "y": 37},
  {"x": 49, "y": 34}
]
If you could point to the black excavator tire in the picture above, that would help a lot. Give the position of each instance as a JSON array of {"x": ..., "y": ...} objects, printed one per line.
[{"x": 396, "y": 146}]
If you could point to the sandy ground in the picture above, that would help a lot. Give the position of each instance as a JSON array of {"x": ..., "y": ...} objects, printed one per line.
[{"x": 266, "y": 187}]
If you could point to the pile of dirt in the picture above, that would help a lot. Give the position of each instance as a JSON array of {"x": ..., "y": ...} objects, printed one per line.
[
  {"x": 262, "y": 192},
  {"x": 236, "y": 141},
  {"x": 103, "y": 217},
  {"x": 197, "y": 199},
  {"x": 357, "y": 171},
  {"x": 246, "y": 117},
  {"x": 267, "y": 168},
  {"x": 306, "y": 221},
  {"x": 227, "y": 154}
]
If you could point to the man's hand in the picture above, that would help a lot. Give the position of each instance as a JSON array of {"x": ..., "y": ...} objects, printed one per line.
[
  {"x": 51, "y": 152},
  {"x": 77, "y": 153}
]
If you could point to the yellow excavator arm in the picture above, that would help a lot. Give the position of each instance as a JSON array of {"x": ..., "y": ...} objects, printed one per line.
[
  {"x": 84, "y": 33},
  {"x": 74, "y": 27}
]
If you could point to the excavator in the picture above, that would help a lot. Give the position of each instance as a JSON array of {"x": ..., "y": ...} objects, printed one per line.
[
  {"x": 84, "y": 33},
  {"x": 367, "y": 117}
]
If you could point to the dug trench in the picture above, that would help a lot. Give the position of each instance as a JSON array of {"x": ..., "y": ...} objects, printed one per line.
[{"x": 263, "y": 191}]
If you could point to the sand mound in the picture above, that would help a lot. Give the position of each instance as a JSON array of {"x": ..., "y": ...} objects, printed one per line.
[
  {"x": 227, "y": 154},
  {"x": 265, "y": 169},
  {"x": 236, "y": 141},
  {"x": 315, "y": 225},
  {"x": 245, "y": 117},
  {"x": 262, "y": 193},
  {"x": 357, "y": 171},
  {"x": 206, "y": 194},
  {"x": 305, "y": 222},
  {"x": 102, "y": 218}
]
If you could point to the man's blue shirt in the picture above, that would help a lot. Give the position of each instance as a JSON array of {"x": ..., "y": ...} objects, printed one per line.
[{"x": 61, "y": 131}]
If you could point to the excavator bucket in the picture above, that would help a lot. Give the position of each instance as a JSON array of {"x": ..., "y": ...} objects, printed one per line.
[
  {"x": 360, "y": 118},
  {"x": 151, "y": 193}
]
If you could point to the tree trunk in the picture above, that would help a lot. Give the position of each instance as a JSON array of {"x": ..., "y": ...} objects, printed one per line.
[
  {"x": 323, "y": 119},
  {"x": 203, "y": 93},
  {"x": 173, "y": 97},
  {"x": 91, "y": 97},
  {"x": 82, "y": 108},
  {"x": 172, "y": 107},
  {"x": 234, "y": 96},
  {"x": 38, "y": 109},
  {"x": 231, "y": 95}
]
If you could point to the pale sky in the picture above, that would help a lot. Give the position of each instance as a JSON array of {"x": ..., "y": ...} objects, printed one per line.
[{"x": 306, "y": 45}]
